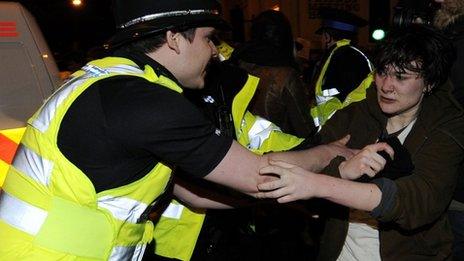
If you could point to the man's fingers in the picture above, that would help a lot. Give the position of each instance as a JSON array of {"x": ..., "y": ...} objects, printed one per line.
[
  {"x": 390, "y": 151},
  {"x": 374, "y": 161},
  {"x": 368, "y": 171},
  {"x": 272, "y": 169},
  {"x": 286, "y": 199},
  {"x": 270, "y": 185},
  {"x": 380, "y": 161},
  {"x": 382, "y": 146},
  {"x": 271, "y": 194}
]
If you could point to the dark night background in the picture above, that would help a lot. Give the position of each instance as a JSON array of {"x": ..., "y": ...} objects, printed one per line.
[{"x": 73, "y": 34}]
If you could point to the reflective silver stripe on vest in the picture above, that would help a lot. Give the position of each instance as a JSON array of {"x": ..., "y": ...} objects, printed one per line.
[
  {"x": 173, "y": 211},
  {"x": 33, "y": 165},
  {"x": 43, "y": 120},
  {"x": 330, "y": 92},
  {"x": 326, "y": 95},
  {"x": 20, "y": 214},
  {"x": 124, "y": 209},
  {"x": 133, "y": 253},
  {"x": 124, "y": 69},
  {"x": 47, "y": 112},
  {"x": 365, "y": 57},
  {"x": 260, "y": 131},
  {"x": 29, "y": 219},
  {"x": 322, "y": 99},
  {"x": 317, "y": 123}
]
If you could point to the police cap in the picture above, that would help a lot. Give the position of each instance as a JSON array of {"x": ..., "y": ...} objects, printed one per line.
[{"x": 339, "y": 20}]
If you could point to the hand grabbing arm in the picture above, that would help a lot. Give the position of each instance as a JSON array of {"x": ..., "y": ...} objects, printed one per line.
[
  {"x": 316, "y": 158},
  {"x": 239, "y": 169},
  {"x": 295, "y": 183}
]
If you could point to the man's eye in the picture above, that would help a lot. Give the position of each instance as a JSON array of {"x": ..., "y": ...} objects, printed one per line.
[
  {"x": 381, "y": 73},
  {"x": 399, "y": 76}
]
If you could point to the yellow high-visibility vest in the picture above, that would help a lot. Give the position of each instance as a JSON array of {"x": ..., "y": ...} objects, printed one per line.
[
  {"x": 327, "y": 103},
  {"x": 49, "y": 209},
  {"x": 253, "y": 132}
]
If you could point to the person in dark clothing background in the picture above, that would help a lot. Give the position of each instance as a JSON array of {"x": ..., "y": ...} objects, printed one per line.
[
  {"x": 281, "y": 97},
  {"x": 249, "y": 233},
  {"x": 270, "y": 55},
  {"x": 342, "y": 68},
  {"x": 450, "y": 18}
]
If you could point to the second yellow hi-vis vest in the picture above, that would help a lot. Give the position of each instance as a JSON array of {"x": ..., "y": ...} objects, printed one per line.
[
  {"x": 327, "y": 103},
  {"x": 177, "y": 230},
  {"x": 49, "y": 209}
]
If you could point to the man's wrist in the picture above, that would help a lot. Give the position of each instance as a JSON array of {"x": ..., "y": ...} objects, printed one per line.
[
  {"x": 320, "y": 184},
  {"x": 324, "y": 155}
]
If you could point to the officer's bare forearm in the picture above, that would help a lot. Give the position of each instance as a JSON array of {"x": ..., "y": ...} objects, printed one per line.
[
  {"x": 314, "y": 159},
  {"x": 239, "y": 170}
]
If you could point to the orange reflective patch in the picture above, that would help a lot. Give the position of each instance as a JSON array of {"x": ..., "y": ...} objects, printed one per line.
[{"x": 7, "y": 149}]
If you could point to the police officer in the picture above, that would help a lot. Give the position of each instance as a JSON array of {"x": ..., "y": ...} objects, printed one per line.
[{"x": 102, "y": 148}]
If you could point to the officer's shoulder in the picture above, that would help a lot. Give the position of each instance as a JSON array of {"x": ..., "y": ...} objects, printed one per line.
[
  {"x": 350, "y": 53},
  {"x": 350, "y": 50},
  {"x": 133, "y": 83}
]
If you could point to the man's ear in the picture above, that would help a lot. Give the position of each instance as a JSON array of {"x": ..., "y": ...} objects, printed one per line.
[
  {"x": 330, "y": 38},
  {"x": 172, "y": 39}
]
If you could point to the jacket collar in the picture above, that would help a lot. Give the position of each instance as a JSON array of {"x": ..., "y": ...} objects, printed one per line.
[
  {"x": 142, "y": 59},
  {"x": 374, "y": 108},
  {"x": 440, "y": 107}
]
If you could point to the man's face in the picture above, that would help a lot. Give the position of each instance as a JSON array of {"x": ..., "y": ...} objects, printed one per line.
[
  {"x": 399, "y": 93},
  {"x": 194, "y": 57}
]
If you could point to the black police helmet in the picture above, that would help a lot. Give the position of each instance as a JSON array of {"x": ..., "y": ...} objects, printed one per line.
[{"x": 136, "y": 19}]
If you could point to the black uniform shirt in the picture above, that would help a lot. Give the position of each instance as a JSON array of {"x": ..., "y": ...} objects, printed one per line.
[{"x": 121, "y": 127}]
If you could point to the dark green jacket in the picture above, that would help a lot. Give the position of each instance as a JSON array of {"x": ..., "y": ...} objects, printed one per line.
[{"x": 415, "y": 227}]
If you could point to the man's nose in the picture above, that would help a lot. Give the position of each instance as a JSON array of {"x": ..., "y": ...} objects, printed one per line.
[{"x": 388, "y": 84}]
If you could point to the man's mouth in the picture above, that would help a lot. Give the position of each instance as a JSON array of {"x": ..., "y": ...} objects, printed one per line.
[{"x": 386, "y": 100}]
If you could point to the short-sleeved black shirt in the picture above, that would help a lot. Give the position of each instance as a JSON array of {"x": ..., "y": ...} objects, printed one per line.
[{"x": 121, "y": 127}]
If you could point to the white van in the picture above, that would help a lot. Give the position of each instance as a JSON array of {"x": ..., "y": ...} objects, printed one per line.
[
  {"x": 28, "y": 72},
  {"x": 28, "y": 75}
]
